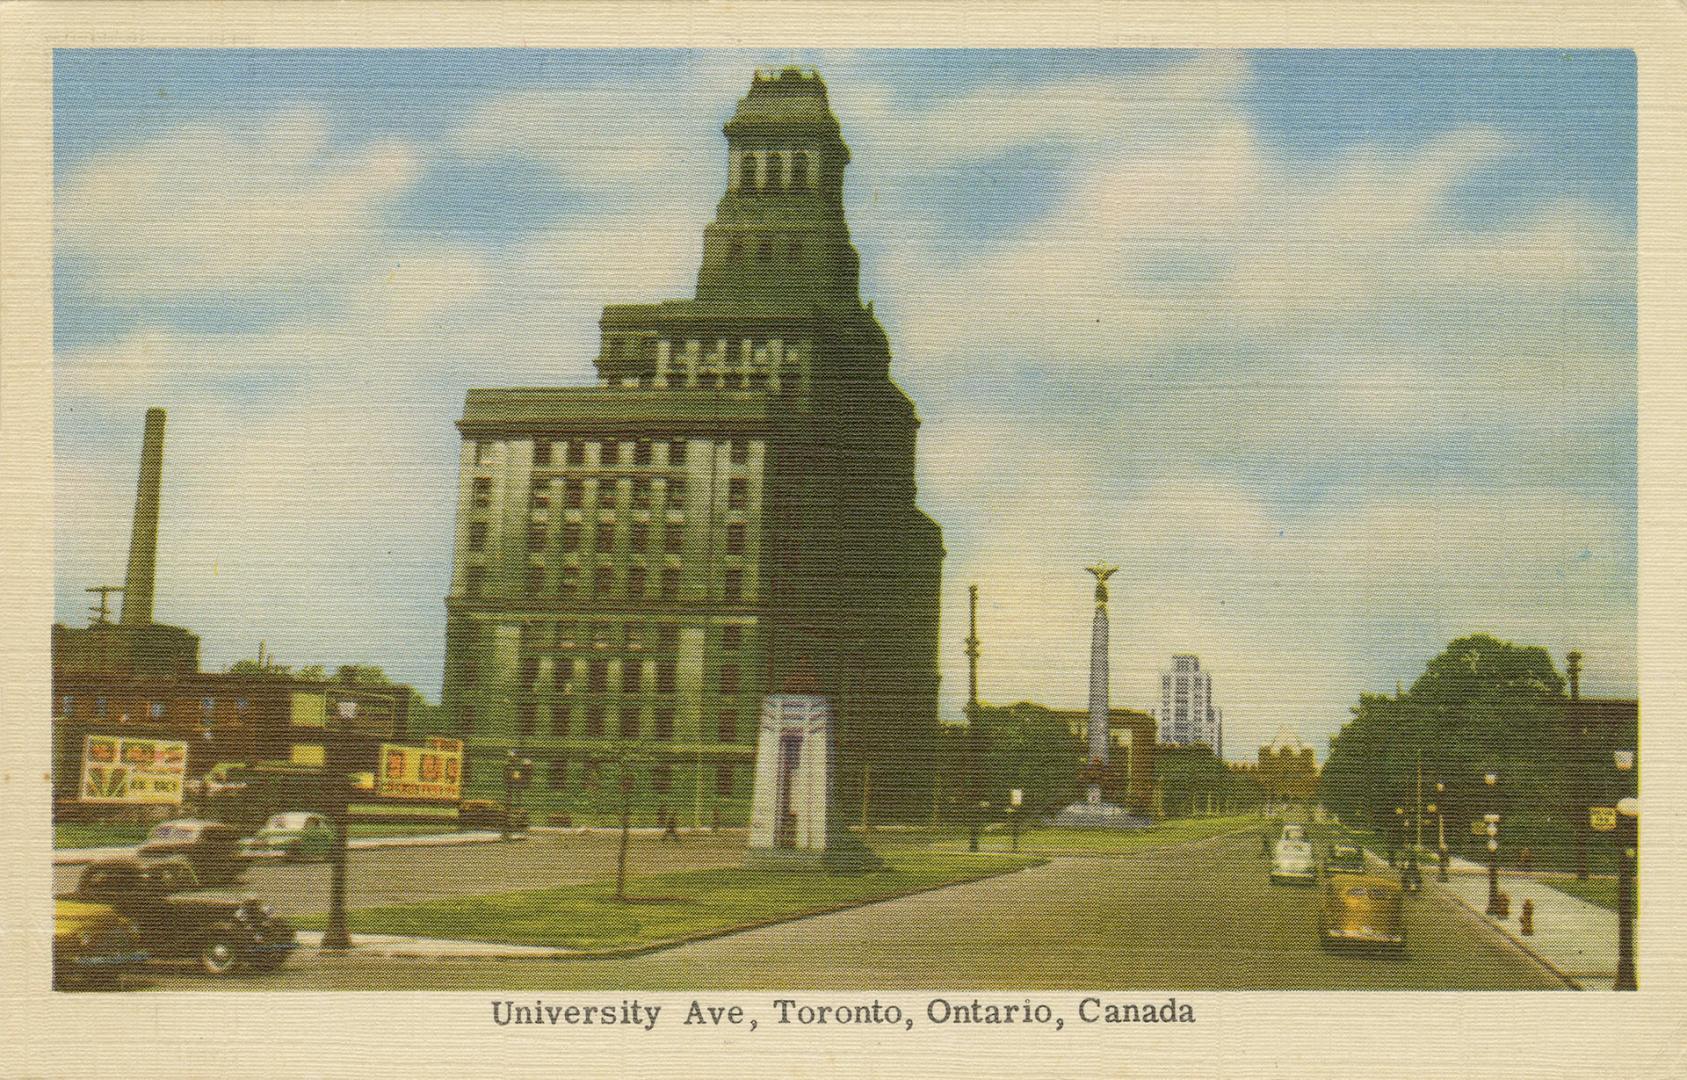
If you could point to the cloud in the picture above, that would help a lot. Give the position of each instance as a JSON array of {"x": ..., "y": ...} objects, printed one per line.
[{"x": 227, "y": 209}]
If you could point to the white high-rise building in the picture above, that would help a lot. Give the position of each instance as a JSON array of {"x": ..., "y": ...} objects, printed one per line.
[{"x": 1186, "y": 714}]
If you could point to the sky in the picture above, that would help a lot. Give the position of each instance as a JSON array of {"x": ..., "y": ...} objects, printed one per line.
[{"x": 1332, "y": 352}]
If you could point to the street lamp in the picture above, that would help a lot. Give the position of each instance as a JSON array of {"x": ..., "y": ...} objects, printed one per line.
[
  {"x": 1399, "y": 836},
  {"x": 1628, "y": 850},
  {"x": 1440, "y": 830},
  {"x": 1492, "y": 819}
]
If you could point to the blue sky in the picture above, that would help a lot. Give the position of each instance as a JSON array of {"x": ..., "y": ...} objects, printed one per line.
[{"x": 1334, "y": 352}]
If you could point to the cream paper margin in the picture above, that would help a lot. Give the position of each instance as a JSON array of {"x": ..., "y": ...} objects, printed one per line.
[{"x": 1242, "y": 1034}]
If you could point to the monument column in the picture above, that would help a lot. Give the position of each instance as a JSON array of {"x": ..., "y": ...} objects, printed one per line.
[{"x": 1098, "y": 681}]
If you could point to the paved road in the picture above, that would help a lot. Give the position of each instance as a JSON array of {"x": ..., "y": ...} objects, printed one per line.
[
  {"x": 400, "y": 875},
  {"x": 1196, "y": 917}
]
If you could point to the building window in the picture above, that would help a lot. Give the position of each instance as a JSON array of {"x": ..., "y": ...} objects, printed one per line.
[
  {"x": 667, "y": 639},
  {"x": 665, "y": 678},
  {"x": 535, "y": 579},
  {"x": 482, "y": 491},
  {"x": 662, "y": 778},
  {"x": 569, "y": 582},
  {"x": 665, "y": 723},
  {"x": 574, "y": 493},
  {"x": 482, "y": 451},
  {"x": 571, "y": 537},
  {"x": 632, "y": 676},
  {"x": 635, "y": 582},
  {"x": 605, "y": 536},
  {"x": 602, "y": 580},
  {"x": 474, "y": 580},
  {"x": 527, "y": 715},
  {"x": 603, "y": 636},
  {"x": 477, "y": 536},
  {"x": 634, "y": 636},
  {"x": 641, "y": 492},
  {"x": 673, "y": 540},
  {"x": 738, "y": 451},
  {"x": 207, "y": 708},
  {"x": 676, "y": 493},
  {"x": 567, "y": 632},
  {"x": 733, "y": 585},
  {"x": 731, "y": 637},
  {"x": 559, "y": 772},
  {"x": 594, "y": 720},
  {"x": 67, "y": 707},
  {"x": 540, "y": 496},
  {"x": 529, "y": 672},
  {"x": 726, "y": 725},
  {"x": 676, "y": 452},
  {"x": 597, "y": 677},
  {"x": 99, "y": 707},
  {"x": 576, "y": 452},
  {"x": 629, "y": 721},
  {"x": 764, "y": 250},
  {"x": 561, "y": 716},
  {"x": 670, "y": 584},
  {"x": 638, "y": 536},
  {"x": 611, "y": 451},
  {"x": 641, "y": 452},
  {"x": 726, "y": 778},
  {"x": 729, "y": 679},
  {"x": 735, "y": 534},
  {"x": 737, "y": 493},
  {"x": 535, "y": 537}
]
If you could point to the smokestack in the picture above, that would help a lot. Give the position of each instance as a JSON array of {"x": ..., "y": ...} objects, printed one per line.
[
  {"x": 1574, "y": 664},
  {"x": 143, "y": 535}
]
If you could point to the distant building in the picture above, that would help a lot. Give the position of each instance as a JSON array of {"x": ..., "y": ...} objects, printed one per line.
[
  {"x": 1288, "y": 768},
  {"x": 641, "y": 560},
  {"x": 1186, "y": 714}
]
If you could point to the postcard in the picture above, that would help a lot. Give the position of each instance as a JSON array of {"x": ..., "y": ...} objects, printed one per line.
[{"x": 988, "y": 550}]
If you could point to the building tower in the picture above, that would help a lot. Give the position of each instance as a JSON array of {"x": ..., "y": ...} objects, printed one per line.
[
  {"x": 1186, "y": 713},
  {"x": 642, "y": 559}
]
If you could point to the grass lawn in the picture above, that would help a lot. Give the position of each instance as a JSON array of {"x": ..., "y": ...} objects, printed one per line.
[
  {"x": 666, "y": 907},
  {"x": 80, "y": 835},
  {"x": 1108, "y": 841},
  {"x": 358, "y": 830},
  {"x": 1598, "y": 890}
]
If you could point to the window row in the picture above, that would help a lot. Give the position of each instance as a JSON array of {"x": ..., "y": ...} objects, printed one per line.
[
  {"x": 625, "y": 450},
  {"x": 595, "y": 774},
  {"x": 593, "y": 722},
  {"x": 573, "y": 582}
]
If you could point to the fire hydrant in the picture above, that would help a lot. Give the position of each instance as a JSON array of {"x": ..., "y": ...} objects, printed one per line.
[{"x": 1526, "y": 920}]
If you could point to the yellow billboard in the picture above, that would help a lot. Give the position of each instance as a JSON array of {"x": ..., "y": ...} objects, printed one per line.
[
  {"x": 419, "y": 772},
  {"x": 121, "y": 769}
]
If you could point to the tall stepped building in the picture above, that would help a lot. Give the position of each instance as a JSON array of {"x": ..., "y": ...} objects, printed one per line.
[{"x": 732, "y": 507}]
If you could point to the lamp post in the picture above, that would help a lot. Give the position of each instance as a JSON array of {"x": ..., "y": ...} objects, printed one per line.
[
  {"x": 1492, "y": 819},
  {"x": 336, "y": 934},
  {"x": 1399, "y": 845},
  {"x": 1628, "y": 850},
  {"x": 1440, "y": 831}
]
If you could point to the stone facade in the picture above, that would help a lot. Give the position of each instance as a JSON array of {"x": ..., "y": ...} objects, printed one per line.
[{"x": 641, "y": 560}]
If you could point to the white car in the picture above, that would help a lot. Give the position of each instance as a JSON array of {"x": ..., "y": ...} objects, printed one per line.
[{"x": 1292, "y": 861}]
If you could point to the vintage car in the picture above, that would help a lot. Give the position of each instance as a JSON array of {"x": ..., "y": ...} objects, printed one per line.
[
  {"x": 177, "y": 921},
  {"x": 1361, "y": 909},
  {"x": 210, "y": 847},
  {"x": 93, "y": 946},
  {"x": 1344, "y": 859},
  {"x": 490, "y": 815},
  {"x": 299, "y": 834},
  {"x": 1292, "y": 861}
]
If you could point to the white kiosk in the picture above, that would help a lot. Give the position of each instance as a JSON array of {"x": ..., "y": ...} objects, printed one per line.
[{"x": 793, "y": 820}]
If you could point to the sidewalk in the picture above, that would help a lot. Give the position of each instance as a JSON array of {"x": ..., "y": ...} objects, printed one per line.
[
  {"x": 78, "y": 856},
  {"x": 390, "y": 946},
  {"x": 1573, "y": 938}
]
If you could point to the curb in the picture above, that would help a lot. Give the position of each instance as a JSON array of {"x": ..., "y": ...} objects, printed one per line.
[
  {"x": 83, "y": 856},
  {"x": 1559, "y": 973}
]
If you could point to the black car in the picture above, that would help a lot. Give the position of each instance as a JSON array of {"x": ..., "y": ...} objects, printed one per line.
[
  {"x": 178, "y": 921},
  {"x": 210, "y": 847}
]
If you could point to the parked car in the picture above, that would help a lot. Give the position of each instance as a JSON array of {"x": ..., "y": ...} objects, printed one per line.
[
  {"x": 1293, "y": 832},
  {"x": 210, "y": 847},
  {"x": 491, "y": 815},
  {"x": 298, "y": 834},
  {"x": 1292, "y": 862},
  {"x": 1344, "y": 859},
  {"x": 93, "y": 946},
  {"x": 1361, "y": 909},
  {"x": 176, "y": 920}
]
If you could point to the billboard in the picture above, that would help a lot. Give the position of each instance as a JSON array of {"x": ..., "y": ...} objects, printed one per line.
[
  {"x": 123, "y": 769},
  {"x": 419, "y": 772}
]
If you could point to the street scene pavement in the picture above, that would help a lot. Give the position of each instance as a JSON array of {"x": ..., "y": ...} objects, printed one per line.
[{"x": 1196, "y": 916}]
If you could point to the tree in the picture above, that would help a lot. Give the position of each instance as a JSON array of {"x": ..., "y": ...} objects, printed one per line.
[
  {"x": 257, "y": 669},
  {"x": 361, "y": 675},
  {"x": 1482, "y": 705}
]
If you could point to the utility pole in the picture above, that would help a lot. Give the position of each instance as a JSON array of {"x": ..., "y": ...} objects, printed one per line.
[{"x": 973, "y": 723}]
